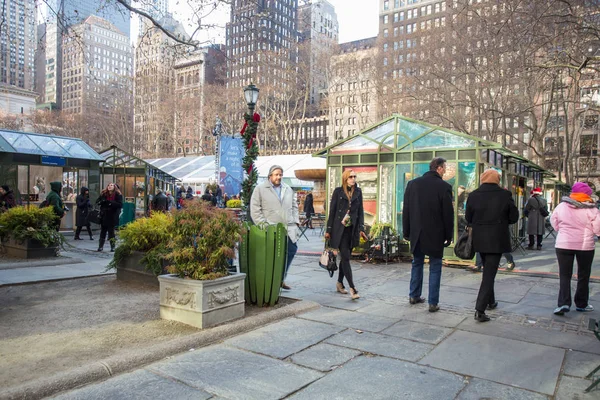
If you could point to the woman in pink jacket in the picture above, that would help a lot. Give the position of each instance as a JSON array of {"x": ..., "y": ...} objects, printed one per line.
[{"x": 577, "y": 221}]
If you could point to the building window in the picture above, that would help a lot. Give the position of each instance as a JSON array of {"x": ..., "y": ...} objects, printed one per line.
[{"x": 386, "y": 5}]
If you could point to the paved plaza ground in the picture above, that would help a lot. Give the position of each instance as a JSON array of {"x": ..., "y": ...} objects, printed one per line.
[{"x": 377, "y": 347}]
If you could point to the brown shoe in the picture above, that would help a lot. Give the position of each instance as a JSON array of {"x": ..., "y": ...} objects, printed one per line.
[
  {"x": 284, "y": 286},
  {"x": 340, "y": 288},
  {"x": 416, "y": 300},
  {"x": 433, "y": 308},
  {"x": 354, "y": 294}
]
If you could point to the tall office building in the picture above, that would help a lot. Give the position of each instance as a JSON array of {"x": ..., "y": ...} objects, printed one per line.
[
  {"x": 261, "y": 42},
  {"x": 154, "y": 82},
  {"x": 17, "y": 45},
  {"x": 157, "y": 9},
  {"x": 60, "y": 16},
  {"x": 97, "y": 68},
  {"x": 319, "y": 30}
]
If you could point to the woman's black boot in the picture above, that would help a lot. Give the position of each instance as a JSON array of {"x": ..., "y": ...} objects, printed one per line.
[{"x": 481, "y": 317}]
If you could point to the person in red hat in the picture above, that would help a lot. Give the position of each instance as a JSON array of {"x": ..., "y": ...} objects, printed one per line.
[{"x": 536, "y": 211}]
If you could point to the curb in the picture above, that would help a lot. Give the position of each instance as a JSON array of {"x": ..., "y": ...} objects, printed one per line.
[
  {"x": 127, "y": 361},
  {"x": 43, "y": 263}
]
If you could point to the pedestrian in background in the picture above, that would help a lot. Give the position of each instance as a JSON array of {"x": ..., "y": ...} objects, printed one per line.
[
  {"x": 189, "y": 195},
  {"x": 490, "y": 209},
  {"x": 54, "y": 200},
  {"x": 345, "y": 226},
  {"x": 536, "y": 211},
  {"x": 577, "y": 221},
  {"x": 7, "y": 198},
  {"x": 111, "y": 202},
  {"x": 274, "y": 202},
  {"x": 428, "y": 222},
  {"x": 309, "y": 209},
  {"x": 160, "y": 202},
  {"x": 83, "y": 211}
]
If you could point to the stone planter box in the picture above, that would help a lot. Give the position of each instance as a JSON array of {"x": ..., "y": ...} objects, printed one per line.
[
  {"x": 131, "y": 269},
  {"x": 29, "y": 248},
  {"x": 201, "y": 303}
]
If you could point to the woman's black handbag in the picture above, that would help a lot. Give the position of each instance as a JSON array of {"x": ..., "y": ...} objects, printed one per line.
[
  {"x": 95, "y": 216},
  {"x": 328, "y": 261},
  {"x": 464, "y": 246}
]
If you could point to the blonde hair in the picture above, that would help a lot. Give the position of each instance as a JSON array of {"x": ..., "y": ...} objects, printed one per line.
[{"x": 345, "y": 176}]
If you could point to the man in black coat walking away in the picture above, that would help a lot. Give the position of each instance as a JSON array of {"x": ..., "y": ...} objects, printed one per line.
[
  {"x": 427, "y": 204},
  {"x": 160, "y": 202}
]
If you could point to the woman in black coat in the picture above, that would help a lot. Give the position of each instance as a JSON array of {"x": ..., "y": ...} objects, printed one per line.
[
  {"x": 309, "y": 209},
  {"x": 83, "y": 211},
  {"x": 111, "y": 202},
  {"x": 345, "y": 226},
  {"x": 490, "y": 209}
]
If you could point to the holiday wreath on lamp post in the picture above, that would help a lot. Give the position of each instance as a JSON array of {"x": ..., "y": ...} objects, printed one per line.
[{"x": 248, "y": 133}]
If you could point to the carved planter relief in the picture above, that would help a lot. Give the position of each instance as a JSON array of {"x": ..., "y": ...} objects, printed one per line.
[{"x": 201, "y": 303}]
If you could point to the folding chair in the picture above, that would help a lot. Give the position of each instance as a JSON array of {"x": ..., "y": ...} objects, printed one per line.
[
  {"x": 516, "y": 243},
  {"x": 594, "y": 327},
  {"x": 550, "y": 229},
  {"x": 304, "y": 226}
]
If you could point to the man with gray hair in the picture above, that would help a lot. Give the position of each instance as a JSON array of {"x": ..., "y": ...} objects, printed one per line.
[{"x": 274, "y": 202}]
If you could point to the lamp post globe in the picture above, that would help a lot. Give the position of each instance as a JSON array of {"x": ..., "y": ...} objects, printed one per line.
[{"x": 251, "y": 97}]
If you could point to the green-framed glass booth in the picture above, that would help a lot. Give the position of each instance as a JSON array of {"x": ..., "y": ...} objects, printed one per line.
[
  {"x": 392, "y": 152},
  {"x": 138, "y": 179},
  {"x": 30, "y": 161}
]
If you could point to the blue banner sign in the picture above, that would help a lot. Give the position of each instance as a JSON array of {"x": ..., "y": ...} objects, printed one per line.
[
  {"x": 53, "y": 160},
  {"x": 231, "y": 174}
]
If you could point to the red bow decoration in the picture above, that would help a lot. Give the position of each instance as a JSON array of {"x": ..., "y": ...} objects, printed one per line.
[{"x": 255, "y": 118}]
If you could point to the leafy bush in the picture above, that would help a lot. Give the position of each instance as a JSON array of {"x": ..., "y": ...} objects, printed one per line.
[
  {"x": 22, "y": 223},
  {"x": 203, "y": 241},
  {"x": 377, "y": 229},
  {"x": 149, "y": 235},
  {"x": 234, "y": 204}
]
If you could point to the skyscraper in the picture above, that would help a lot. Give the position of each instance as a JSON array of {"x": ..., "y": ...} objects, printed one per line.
[
  {"x": 319, "y": 30},
  {"x": 261, "y": 42},
  {"x": 61, "y": 15},
  {"x": 157, "y": 9},
  {"x": 17, "y": 45},
  {"x": 17, "y": 42}
]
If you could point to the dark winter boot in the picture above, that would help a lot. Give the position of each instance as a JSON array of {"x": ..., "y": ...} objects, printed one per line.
[
  {"x": 101, "y": 245},
  {"x": 89, "y": 229},
  {"x": 112, "y": 244}
]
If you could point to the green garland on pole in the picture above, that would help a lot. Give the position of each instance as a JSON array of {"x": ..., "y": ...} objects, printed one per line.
[{"x": 248, "y": 133}]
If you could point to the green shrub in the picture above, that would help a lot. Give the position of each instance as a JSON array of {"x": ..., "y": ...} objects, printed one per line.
[
  {"x": 22, "y": 223},
  {"x": 149, "y": 235},
  {"x": 203, "y": 241},
  {"x": 377, "y": 229},
  {"x": 234, "y": 203}
]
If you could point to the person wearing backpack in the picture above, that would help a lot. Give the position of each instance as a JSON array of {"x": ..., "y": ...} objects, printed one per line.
[
  {"x": 53, "y": 200},
  {"x": 536, "y": 211}
]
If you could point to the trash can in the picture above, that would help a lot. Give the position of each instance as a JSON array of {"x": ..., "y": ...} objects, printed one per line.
[{"x": 127, "y": 214}]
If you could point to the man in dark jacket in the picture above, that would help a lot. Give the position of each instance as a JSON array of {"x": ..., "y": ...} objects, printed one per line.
[
  {"x": 427, "y": 204},
  {"x": 160, "y": 202},
  {"x": 7, "y": 198},
  {"x": 53, "y": 199}
]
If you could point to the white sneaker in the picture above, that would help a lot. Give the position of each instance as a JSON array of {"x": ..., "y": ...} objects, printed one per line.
[
  {"x": 561, "y": 310},
  {"x": 589, "y": 307}
]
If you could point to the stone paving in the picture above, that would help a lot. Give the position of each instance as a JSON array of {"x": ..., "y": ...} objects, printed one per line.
[{"x": 380, "y": 347}]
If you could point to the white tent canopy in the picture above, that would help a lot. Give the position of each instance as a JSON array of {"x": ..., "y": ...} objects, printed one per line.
[{"x": 198, "y": 171}]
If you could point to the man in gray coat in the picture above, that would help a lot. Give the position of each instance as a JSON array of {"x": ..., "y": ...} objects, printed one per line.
[
  {"x": 275, "y": 202},
  {"x": 536, "y": 211}
]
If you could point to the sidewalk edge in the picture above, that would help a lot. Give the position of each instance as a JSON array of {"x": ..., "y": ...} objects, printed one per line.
[{"x": 104, "y": 369}]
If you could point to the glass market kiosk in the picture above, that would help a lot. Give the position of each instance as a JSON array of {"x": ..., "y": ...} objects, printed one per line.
[
  {"x": 389, "y": 154},
  {"x": 138, "y": 179},
  {"x": 30, "y": 161}
]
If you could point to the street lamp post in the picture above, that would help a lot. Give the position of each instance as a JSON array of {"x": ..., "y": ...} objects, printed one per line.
[{"x": 248, "y": 133}]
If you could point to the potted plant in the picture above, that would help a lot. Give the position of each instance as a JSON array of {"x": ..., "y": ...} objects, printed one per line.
[
  {"x": 199, "y": 290},
  {"x": 142, "y": 248},
  {"x": 30, "y": 232}
]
